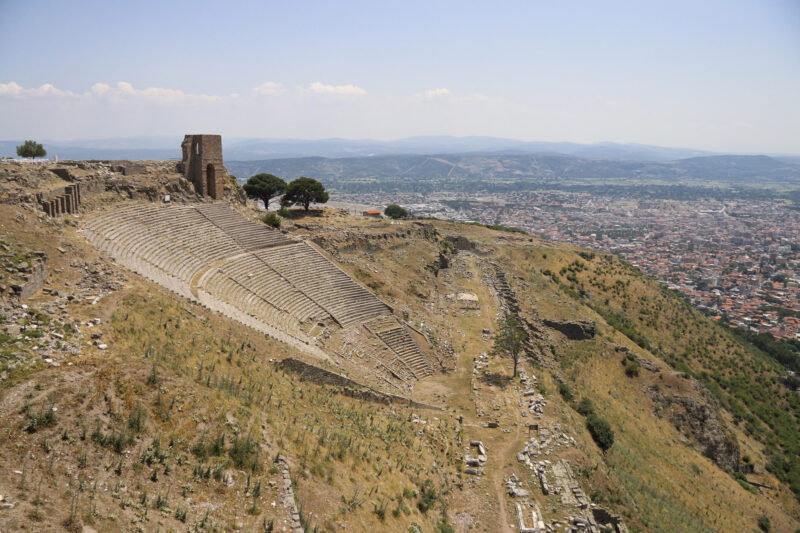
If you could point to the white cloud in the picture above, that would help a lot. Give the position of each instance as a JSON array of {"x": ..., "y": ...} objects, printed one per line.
[
  {"x": 269, "y": 88},
  {"x": 10, "y": 89},
  {"x": 338, "y": 90},
  {"x": 477, "y": 97},
  {"x": 435, "y": 94},
  {"x": 103, "y": 90},
  {"x": 157, "y": 94},
  {"x": 14, "y": 90},
  {"x": 100, "y": 88},
  {"x": 444, "y": 95}
]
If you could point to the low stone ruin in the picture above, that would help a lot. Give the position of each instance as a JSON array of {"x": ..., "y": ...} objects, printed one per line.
[
  {"x": 475, "y": 463},
  {"x": 540, "y": 470},
  {"x": 537, "y": 524},
  {"x": 576, "y": 330},
  {"x": 461, "y": 243},
  {"x": 514, "y": 487},
  {"x": 536, "y": 404},
  {"x": 606, "y": 518},
  {"x": 23, "y": 271},
  {"x": 581, "y": 524},
  {"x": 288, "y": 497},
  {"x": 46, "y": 330}
]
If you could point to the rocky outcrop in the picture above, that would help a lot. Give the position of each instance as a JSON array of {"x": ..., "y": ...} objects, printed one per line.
[
  {"x": 576, "y": 330},
  {"x": 697, "y": 417},
  {"x": 647, "y": 364}
]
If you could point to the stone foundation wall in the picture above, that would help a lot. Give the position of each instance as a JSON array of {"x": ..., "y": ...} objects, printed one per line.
[
  {"x": 321, "y": 376},
  {"x": 576, "y": 331},
  {"x": 294, "y": 524},
  {"x": 34, "y": 280}
]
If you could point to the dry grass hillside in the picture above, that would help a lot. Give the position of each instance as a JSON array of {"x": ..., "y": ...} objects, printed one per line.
[
  {"x": 128, "y": 408},
  {"x": 653, "y": 473}
]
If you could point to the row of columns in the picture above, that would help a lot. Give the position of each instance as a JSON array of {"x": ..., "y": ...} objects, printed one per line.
[{"x": 62, "y": 204}]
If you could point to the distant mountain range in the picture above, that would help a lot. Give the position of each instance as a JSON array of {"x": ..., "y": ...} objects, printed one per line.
[
  {"x": 250, "y": 149},
  {"x": 247, "y": 149},
  {"x": 449, "y": 159},
  {"x": 446, "y": 170}
]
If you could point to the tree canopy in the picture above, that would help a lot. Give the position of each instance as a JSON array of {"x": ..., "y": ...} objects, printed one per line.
[
  {"x": 509, "y": 339},
  {"x": 304, "y": 191},
  {"x": 31, "y": 149},
  {"x": 264, "y": 187},
  {"x": 395, "y": 211}
]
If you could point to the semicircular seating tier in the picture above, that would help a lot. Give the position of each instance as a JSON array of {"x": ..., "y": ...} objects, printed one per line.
[{"x": 285, "y": 288}]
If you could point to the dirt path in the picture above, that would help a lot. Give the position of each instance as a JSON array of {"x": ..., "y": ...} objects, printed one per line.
[{"x": 500, "y": 456}]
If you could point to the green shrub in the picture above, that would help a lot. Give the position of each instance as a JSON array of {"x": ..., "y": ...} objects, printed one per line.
[
  {"x": 45, "y": 418},
  {"x": 380, "y": 510},
  {"x": 632, "y": 369},
  {"x": 244, "y": 451},
  {"x": 565, "y": 391},
  {"x": 272, "y": 220},
  {"x": 218, "y": 446},
  {"x": 764, "y": 524},
  {"x": 427, "y": 496},
  {"x": 444, "y": 526},
  {"x": 586, "y": 407},
  {"x": 199, "y": 449},
  {"x": 394, "y": 211},
  {"x": 601, "y": 431},
  {"x": 136, "y": 419}
]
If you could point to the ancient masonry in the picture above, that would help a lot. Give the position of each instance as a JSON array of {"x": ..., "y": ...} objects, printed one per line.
[
  {"x": 202, "y": 163},
  {"x": 510, "y": 304},
  {"x": 60, "y": 201},
  {"x": 287, "y": 289},
  {"x": 295, "y": 525}
]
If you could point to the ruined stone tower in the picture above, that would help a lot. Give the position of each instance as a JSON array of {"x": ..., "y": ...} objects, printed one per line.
[{"x": 202, "y": 163}]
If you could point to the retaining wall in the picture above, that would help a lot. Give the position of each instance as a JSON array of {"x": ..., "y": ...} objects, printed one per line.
[{"x": 321, "y": 376}]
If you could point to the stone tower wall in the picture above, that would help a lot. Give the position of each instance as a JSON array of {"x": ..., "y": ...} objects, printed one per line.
[{"x": 202, "y": 163}]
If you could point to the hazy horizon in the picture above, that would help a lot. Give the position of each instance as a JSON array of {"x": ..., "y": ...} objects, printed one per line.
[{"x": 717, "y": 76}]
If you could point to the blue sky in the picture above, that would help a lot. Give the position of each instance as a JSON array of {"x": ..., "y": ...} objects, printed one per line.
[{"x": 711, "y": 75}]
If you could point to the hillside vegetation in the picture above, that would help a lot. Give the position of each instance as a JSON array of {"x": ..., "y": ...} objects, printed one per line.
[
  {"x": 747, "y": 382},
  {"x": 185, "y": 421}
]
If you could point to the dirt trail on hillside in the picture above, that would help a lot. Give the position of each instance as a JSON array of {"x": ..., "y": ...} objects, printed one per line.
[{"x": 513, "y": 441}]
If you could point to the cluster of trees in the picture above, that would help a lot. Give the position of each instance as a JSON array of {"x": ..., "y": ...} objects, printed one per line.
[
  {"x": 302, "y": 191},
  {"x": 786, "y": 352}
]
